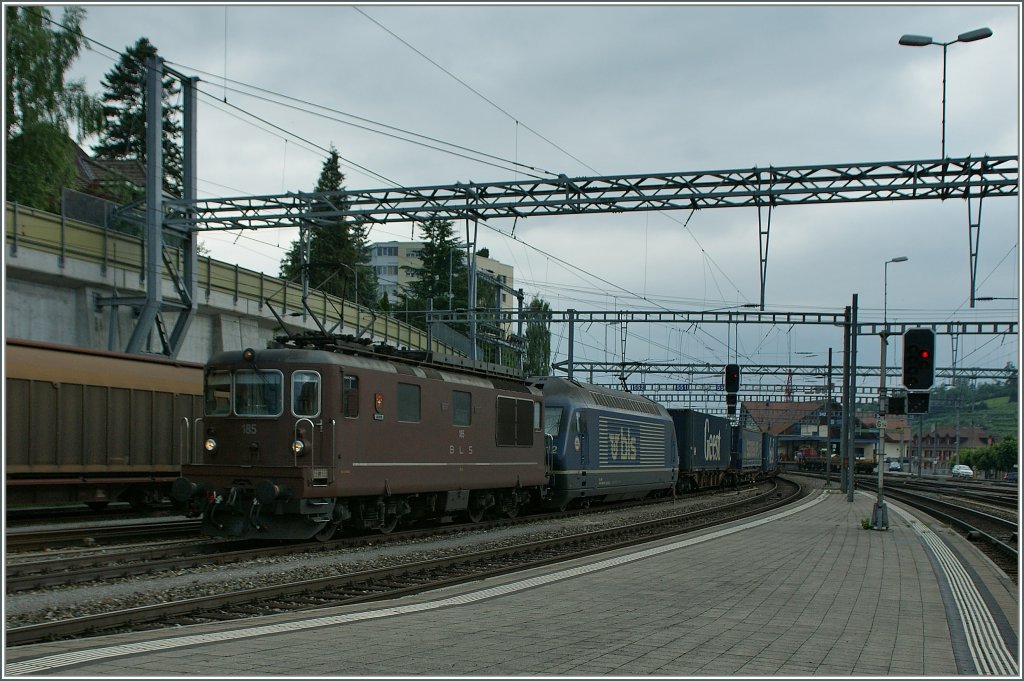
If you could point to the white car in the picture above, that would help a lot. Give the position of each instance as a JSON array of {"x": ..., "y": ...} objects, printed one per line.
[
  {"x": 962, "y": 471},
  {"x": 895, "y": 466}
]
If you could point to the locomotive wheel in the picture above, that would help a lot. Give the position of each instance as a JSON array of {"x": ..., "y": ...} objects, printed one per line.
[
  {"x": 475, "y": 515},
  {"x": 512, "y": 510},
  {"x": 389, "y": 524},
  {"x": 327, "y": 532}
]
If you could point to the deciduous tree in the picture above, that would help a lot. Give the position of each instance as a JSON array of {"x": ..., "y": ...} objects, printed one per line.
[{"x": 41, "y": 106}]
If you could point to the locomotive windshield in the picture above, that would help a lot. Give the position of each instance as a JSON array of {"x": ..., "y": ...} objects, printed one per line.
[
  {"x": 217, "y": 393},
  {"x": 552, "y": 420},
  {"x": 258, "y": 393}
]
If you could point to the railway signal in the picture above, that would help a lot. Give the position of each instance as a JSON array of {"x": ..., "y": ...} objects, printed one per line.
[
  {"x": 918, "y": 359},
  {"x": 732, "y": 386},
  {"x": 917, "y": 402},
  {"x": 732, "y": 378}
]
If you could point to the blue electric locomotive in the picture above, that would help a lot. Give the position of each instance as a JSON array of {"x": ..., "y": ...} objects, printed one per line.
[{"x": 604, "y": 445}]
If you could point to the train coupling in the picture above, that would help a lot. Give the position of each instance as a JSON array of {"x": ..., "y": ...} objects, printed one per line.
[{"x": 189, "y": 496}]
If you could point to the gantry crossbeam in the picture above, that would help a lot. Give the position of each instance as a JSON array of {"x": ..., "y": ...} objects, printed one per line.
[
  {"x": 717, "y": 371},
  {"x": 963, "y": 178}
]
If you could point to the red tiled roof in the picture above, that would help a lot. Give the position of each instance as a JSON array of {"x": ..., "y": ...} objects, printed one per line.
[
  {"x": 94, "y": 174},
  {"x": 776, "y": 417}
]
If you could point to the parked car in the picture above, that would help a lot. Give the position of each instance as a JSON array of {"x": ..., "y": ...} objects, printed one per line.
[
  {"x": 1011, "y": 476},
  {"x": 962, "y": 471},
  {"x": 895, "y": 466}
]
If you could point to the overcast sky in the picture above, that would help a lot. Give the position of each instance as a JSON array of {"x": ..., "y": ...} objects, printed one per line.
[{"x": 613, "y": 90}]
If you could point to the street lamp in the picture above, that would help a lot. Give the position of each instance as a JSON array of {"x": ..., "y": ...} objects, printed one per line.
[
  {"x": 923, "y": 40},
  {"x": 885, "y": 289},
  {"x": 356, "y": 273},
  {"x": 880, "y": 520}
]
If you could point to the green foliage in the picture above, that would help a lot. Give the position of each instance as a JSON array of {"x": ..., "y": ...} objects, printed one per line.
[
  {"x": 999, "y": 457},
  {"x": 339, "y": 252},
  {"x": 996, "y": 415},
  {"x": 124, "y": 110},
  {"x": 40, "y": 161},
  {"x": 992, "y": 405},
  {"x": 538, "y": 338},
  {"x": 442, "y": 271},
  {"x": 38, "y": 55},
  {"x": 40, "y": 106}
]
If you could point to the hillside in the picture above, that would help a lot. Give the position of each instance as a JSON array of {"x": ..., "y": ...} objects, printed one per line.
[{"x": 997, "y": 415}]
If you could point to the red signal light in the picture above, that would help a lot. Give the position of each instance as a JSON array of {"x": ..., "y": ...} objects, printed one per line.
[{"x": 924, "y": 354}]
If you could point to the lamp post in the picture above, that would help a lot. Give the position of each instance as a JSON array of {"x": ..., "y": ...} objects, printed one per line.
[
  {"x": 880, "y": 520},
  {"x": 356, "y": 273},
  {"x": 922, "y": 40}
]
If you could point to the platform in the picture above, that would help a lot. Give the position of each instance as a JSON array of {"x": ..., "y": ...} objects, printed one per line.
[{"x": 800, "y": 592}]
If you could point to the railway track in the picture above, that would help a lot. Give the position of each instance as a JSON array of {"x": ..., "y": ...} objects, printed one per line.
[
  {"x": 394, "y": 581},
  {"x": 24, "y": 573},
  {"x": 91, "y": 535}
]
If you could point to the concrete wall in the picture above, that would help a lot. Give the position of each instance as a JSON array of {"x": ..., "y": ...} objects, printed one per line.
[{"x": 57, "y": 271}]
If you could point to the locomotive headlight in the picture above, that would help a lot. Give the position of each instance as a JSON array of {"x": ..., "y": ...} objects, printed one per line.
[
  {"x": 299, "y": 447},
  {"x": 210, "y": 445}
]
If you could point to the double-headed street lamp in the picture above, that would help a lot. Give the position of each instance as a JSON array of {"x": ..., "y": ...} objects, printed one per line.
[
  {"x": 922, "y": 40},
  {"x": 885, "y": 289}
]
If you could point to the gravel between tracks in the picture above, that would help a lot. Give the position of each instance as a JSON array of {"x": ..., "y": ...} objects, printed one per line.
[{"x": 77, "y": 600}]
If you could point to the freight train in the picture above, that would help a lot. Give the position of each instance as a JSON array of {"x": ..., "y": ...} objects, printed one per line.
[
  {"x": 316, "y": 434},
  {"x": 86, "y": 426}
]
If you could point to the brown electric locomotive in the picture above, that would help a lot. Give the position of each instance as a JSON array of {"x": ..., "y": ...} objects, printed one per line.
[{"x": 311, "y": 435}]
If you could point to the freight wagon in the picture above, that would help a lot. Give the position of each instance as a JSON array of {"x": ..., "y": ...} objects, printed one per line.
[
  {"x": 747, "y": 455},
  {"x": 94, "y": 427},
  {"x": 704, "y": 448}
]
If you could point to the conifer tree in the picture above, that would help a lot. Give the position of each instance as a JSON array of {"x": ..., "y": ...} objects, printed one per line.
[
  {"x": 338, "y": 247},
  {"x": 124, "y": 110},
  {"x": 442, "y": 270}
]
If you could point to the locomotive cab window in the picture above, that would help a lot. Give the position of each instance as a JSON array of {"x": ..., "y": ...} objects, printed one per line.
[
  {"x": 462, "y": 408},
  {"x": 217, "y": 393},
  {"x": 258, "y": 393},
  {"x": 350, "y": 396},
  {"x": 553, "y": 420},
  {"x": 408, "y": 402},
  {"x": 305, "y": 393}
]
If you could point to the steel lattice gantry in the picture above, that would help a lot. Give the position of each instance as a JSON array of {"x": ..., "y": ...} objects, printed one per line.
[
  {"x": 965, "y": 178},
  {"x": 971, "y": 179}
]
